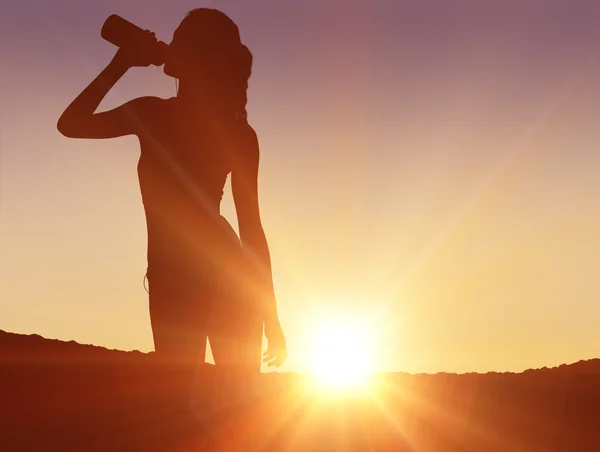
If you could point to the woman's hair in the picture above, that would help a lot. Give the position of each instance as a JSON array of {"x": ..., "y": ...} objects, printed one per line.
[{"x": 211, "y": 35}]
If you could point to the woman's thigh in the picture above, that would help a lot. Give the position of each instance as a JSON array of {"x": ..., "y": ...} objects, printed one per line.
[
  {"x": 236, "y": 339},
  {"x": 236, "y": 326},
  {"x": 235, "y": 329},
  {"x": 179, "y": 319}
]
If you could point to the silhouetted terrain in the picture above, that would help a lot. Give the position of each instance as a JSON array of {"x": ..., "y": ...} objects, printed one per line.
[{"x": 63, "y": 396}]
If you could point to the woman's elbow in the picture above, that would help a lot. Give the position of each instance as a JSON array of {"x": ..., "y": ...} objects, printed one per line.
[
  {"x": 72, "y": 129},
  {"x": 65, "y": 127}
]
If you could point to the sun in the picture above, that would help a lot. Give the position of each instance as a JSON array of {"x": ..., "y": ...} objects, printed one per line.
[{"x": 341, "y": 354}]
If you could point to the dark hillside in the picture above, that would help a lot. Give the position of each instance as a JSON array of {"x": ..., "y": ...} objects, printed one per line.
[{"x": 63, "y": 396}]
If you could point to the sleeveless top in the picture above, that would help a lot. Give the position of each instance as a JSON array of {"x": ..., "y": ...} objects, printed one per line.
[{"x": 182, "y": 170}]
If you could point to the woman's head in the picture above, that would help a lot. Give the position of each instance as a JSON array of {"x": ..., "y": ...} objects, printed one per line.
[{"x": 207, "y": 53}]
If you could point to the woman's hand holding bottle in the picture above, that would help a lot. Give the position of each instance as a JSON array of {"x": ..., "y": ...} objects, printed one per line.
[{"x": 144, "y": 52}]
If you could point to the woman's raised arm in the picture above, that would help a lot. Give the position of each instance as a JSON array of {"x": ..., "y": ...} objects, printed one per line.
[{"x": 79, "y": 120}]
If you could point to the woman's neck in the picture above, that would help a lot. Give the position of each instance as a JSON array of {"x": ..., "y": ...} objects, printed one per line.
[{"x": 202, "y": 97}]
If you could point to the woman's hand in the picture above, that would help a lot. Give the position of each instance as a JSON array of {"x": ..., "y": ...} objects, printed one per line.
[
  {"x": 141, "y": 53},
  {"x": 276, "y": 353}
]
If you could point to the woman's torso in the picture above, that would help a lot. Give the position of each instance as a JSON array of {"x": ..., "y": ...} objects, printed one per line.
[{"x": 182, "y": 171}]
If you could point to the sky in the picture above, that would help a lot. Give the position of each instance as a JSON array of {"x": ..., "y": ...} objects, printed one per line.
[{"x": 427, "y": 168}]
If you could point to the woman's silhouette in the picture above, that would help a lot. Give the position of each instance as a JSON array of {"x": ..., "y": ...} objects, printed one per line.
[{"x": 202, "y": 281}]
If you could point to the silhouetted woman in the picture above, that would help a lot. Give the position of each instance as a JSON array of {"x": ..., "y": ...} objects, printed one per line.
[{"x": 202, "y": 281}]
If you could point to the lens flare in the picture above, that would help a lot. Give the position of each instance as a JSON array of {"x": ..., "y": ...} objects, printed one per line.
[{"x": 341, "y": 355}]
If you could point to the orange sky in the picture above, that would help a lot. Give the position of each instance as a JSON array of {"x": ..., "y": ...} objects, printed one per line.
[{"x": 427, "y": 170}]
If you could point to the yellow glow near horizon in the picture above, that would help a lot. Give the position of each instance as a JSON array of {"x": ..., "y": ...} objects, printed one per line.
[{"x": 341, "y": 355}]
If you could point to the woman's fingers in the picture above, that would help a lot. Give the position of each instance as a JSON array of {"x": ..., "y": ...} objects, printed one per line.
[
  {"x": 268, "y": 356},
  {"x": 150, "y": 35},
  {"x": 279, "y": 359},
  {"x": 275, "y": 358}
]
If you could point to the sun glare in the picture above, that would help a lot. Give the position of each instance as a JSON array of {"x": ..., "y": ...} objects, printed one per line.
[{"x": 341, "y": 355}]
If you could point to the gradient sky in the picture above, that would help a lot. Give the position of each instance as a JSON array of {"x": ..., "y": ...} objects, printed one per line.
[{"x": 430, "y": 167}]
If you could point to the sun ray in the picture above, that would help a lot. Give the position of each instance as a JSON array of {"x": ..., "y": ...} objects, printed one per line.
[{"x": 487, "y": 180}]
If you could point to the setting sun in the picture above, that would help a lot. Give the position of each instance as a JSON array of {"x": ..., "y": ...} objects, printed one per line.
[{"x": 341, "y": 355}]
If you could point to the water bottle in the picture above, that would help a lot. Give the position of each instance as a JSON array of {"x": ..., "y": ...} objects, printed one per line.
[{"x": 121, "y": 32}]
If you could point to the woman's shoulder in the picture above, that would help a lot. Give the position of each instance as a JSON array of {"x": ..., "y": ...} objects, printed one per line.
[
  {"x": 247, "y": 143},
  {"x": 247, "y": 134},
  {"x": 150, "y": 102},
  {"x": 150, "y": 109}
]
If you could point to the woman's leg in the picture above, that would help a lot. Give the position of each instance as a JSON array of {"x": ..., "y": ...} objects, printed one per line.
[
  {"x": 235, "y": 337},
  {"x": 236, "y": 326},
  {"x": 179, "y": 332},
  {"x": 178, "y": 323}
]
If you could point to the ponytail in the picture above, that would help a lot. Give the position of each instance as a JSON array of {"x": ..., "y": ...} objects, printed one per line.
[{"x": 243, "y": 70}]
